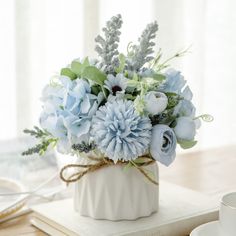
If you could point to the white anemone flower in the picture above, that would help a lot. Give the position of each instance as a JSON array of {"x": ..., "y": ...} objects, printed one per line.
[{"x": 116, "y": 84}]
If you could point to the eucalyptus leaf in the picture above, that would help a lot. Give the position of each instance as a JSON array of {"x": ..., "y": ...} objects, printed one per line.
[
  {"x": 186, "y": 144},
  {"x": 94, "y": 74},
  {"x": 67, "y": 72}
]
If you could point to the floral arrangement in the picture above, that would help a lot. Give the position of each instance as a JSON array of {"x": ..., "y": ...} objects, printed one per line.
[{"x": 120, "y": 107}]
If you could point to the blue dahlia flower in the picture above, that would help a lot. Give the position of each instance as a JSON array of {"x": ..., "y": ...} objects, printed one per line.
[
  {"x": 68, "y": 107},
  {"x": 120, "y": 132}
]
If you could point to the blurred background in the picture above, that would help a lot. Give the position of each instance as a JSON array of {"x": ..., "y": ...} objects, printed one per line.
[{"x": 38, "y": 37}]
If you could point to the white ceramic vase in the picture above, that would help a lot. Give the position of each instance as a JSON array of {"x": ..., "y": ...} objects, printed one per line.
[{"x": 113, "y": 193}]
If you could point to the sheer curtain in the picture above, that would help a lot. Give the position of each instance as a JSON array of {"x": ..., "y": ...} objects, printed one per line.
[{"x": 38, "y": 37}]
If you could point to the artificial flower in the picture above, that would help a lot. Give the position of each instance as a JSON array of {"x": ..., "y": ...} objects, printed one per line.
[
  {"x": 125, "y": 104},
  {"x": 185, "y": 128},
  {"x": 67, "y": 111},
  {"x": 156, "y": 102},
  {"x": 146, "y": 72},
  {"x": 185, "y": 108},
  {"x": 175, "y": 83},
  {"x": 116, "y": 83},
  {"x": 120, "y": 132},
  {"x": 55, "y": 125},
  {"x": 163, "y": 144}
]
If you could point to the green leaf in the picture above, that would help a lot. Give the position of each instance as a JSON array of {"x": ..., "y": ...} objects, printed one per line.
[
  {"x": 86, "y": 62},
  {"x": 186, "y": 144},
  {"x": 139, "y": 104},
  {"x": 95, "y": 89},
  {"x": 158, "y": 77},
  {"x": 121, "y": 64},
  {"x": 129, "y": 97},
  {"x": 169, "y": 94},
  {"x": 127, "y": 166},
  {"x": 141, "y": 160},
  {"x": 150, "y": 174},
  {"x": 76, "y": 67},
  {"x": 67, "y": 72},
  {"x": 133, "y": 83},
  {"x": 94, "y": 74},
  {"x": 135, "y": 77}
]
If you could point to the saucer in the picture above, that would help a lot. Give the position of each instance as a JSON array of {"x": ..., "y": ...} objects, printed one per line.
[{"x": 208, "y": 229}]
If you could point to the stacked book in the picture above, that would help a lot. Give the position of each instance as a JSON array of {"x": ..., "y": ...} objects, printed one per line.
[{"x": 180, "y": 211}]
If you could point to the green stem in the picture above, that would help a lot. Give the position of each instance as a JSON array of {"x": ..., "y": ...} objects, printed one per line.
[
  {"x": 178, "y": 54},
  {"x": 104, "y": 92}
]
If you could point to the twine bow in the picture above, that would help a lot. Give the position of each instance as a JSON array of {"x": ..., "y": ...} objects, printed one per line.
[{"x": 99, "y": 164}]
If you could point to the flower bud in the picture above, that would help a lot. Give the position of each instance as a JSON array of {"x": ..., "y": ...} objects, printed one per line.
[
  {"x": 163, "y": 144},
  {"x": 156, "y": 102},
  {"x": 185, "y": 128}
]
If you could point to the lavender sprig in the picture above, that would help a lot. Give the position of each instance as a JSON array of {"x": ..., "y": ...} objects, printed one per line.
[
  {"x": 45, "y": 141},
  {"x": 84, "y": 147},
  {"x": 107, "y": 47},
  {"x": 140, "y": 54}
]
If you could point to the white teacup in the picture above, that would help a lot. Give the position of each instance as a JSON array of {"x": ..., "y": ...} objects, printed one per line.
[{"x": 227, "y": 214}]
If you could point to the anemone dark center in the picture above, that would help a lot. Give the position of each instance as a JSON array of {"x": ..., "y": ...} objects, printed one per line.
[{"x": 115, "y": 89}]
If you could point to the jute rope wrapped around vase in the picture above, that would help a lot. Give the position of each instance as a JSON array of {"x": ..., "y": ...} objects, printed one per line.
[{"x": 100, "y": 163}]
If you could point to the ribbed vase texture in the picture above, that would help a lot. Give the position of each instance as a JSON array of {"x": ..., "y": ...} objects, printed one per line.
[{"x": 113, "y": 193}]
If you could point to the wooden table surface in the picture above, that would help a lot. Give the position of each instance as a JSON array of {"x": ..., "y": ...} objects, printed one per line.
[{"x": 211, "y": 172}]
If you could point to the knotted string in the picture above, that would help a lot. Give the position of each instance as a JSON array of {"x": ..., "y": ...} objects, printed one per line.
[{"x": 99, "y": 164}]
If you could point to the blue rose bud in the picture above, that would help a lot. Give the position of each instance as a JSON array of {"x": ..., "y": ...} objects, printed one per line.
[
  {"x": 185, "y": 128},
  {"x": 163, "y": 144},
  {"x": 156, "y": 102}
]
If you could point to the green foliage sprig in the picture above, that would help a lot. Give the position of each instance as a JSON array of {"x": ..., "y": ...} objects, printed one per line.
[
  {"x": 46, "y": 140},
  {"x": 158, "y": 66},
  {"x": 36, "y": 132}
]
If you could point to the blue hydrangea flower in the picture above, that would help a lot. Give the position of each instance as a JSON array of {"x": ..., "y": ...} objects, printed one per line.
[
  {"x": 119, "y": 132},
  {"x": 146, "y": 72},
  {"x": 185, "y": 108},
  {"x": 175, "y": 83},
  {"x": 67, "y": 111}
]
